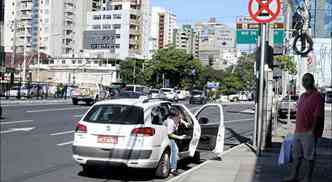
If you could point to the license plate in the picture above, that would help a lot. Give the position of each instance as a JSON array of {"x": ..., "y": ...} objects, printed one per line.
[{"x": 107, "y": 139}]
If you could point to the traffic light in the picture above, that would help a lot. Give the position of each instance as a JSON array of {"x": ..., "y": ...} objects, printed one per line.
[{"x": 268, "y": 57}]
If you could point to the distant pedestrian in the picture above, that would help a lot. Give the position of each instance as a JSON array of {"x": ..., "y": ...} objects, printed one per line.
[
  {"x": 39, "y": 91},
  {"x": 309, "y": 127},
  {"x": 65, "y": 90}
]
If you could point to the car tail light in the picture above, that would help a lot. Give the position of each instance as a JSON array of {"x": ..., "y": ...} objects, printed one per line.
[
  {"x": 81, "y": 128},
  {"x": 143, "y": 131}
]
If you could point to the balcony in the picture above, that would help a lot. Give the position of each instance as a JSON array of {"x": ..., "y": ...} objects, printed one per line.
[
  {"x": 69, "y": 2},
  {"x": 134, "y": 41},
  {"x": 134, "y": 22},
  {"x": 26, "y": 7},
  {"x": 26, "y": 1},
  {"x": 134, "y": 32},
  {"x": 26, "y": 16}
]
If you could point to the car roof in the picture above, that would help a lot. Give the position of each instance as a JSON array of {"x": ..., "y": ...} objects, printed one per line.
[{"x": 132, "y": 102}]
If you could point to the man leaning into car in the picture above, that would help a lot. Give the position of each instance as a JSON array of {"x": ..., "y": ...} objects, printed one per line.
[{"x": 172, "y": 123}]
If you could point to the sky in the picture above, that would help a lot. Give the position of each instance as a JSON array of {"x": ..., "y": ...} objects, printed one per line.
[{"x": 191, "y": 11}]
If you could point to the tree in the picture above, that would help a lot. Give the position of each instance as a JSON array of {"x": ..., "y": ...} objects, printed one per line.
[
  {"x": 286, "y": 64},
  {"x": 131, "y": 71},
  {"x": 176, "y": 65}
]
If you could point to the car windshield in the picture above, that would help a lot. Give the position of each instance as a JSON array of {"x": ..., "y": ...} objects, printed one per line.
[
  {"x": 292, "y": 98},
  {"x": 196, "y": 92},
  {"x": 154, "y": 91},
  {"x": 166, "y": 90},
  {"x": 115, "y": 114},
  {"x": 129, "y": 88}
]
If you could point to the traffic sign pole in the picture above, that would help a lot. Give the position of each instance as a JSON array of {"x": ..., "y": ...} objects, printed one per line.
[{"x": 260, "y": 115}]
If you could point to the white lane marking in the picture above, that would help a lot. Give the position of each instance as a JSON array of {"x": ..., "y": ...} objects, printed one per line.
[
  {"x": 16, "y": 122},
  {"x": 239, "y": 120},
  {"x": 62, "y": 133},
  {"x": 33, "y": 104},
  {"x": 58, "y": 109},
  {"x": 65, "y": 143},
  {"x": 202, "y": 164},
  {"x": 17, "y": 129}
]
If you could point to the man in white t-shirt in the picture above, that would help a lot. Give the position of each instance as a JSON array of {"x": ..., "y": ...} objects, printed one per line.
[{"x": 172, "y": 123}]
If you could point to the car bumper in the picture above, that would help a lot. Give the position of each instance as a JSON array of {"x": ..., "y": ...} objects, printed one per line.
[{"x": 115, "y": 157}]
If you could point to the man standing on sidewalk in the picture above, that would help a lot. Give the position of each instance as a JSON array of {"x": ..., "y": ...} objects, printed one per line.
[{"x": 309, "y": 127}]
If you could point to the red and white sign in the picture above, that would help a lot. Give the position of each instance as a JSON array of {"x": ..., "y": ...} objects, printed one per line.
[{"x": 264, "y": 11}]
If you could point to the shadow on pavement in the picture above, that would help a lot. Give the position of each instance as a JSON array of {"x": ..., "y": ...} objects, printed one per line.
[
  {"x": 238, "y": 136},
  {"x": 123, "y": 173}
]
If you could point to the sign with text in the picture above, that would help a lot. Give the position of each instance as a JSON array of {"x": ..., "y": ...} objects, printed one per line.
[{"x": 99, "y": 40}]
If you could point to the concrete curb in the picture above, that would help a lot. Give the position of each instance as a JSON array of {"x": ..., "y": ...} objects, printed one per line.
[{"x": 204, "y": 163}]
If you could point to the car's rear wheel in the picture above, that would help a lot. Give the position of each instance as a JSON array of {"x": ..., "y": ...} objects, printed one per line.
[
  {"x": 163, "y": 168},
  {"x": 75, "y": 101},
  {"x": 87, "y": 169},
  {"x": 196, "y": 158}
]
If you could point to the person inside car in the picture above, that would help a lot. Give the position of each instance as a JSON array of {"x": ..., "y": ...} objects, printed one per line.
[{"x": 172, "y": 123}]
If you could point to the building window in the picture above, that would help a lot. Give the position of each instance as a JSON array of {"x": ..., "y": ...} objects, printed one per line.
[
  {"x": 96, "y": 27},
  {"x": 107, "y": 17},
  {"x": 117, "y": 16},
  {"x": 79, "y": 61},
  {"x": 117, "y": 36},
  {"x": 63, "y": 61},
  {"x": 117, "y": 7},
  {"x": 117, "y": 26},
  {"x": 117, "y": 46},
  {"x": 96, "y": 17},
  {"x": 107, "y": 26},
  {"x": 73, "y": 61}
]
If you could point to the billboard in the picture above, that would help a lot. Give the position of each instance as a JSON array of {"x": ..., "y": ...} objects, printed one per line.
[{"x": 99, "y": 40}]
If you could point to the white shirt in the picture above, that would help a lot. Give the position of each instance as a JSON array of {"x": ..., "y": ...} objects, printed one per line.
[{"x": 171, "y": 126}]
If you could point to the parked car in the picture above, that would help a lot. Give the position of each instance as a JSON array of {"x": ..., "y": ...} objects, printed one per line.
[
  {"x": 170, "y": 93},
  {"x": 198, "y": 96},
  {"x": 241, "y": 96},
  {"x": 25, "y": 91},
  {"x": 328, "y": 97},
  {"x": 182, "y": 94},
  {"x": 143, "y": 90},
  {"x": 286, "y": 104},
  {"x": 88, "y": 93},
  {"x": 131, "y": 132}
]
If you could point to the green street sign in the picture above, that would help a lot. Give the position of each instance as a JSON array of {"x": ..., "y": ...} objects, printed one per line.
[
  {"x": 278, "y": 37},
  {"x": 246, "y": 36}
]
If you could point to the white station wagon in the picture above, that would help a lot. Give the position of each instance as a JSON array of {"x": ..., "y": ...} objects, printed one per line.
[{"x": 131, "y": 132}]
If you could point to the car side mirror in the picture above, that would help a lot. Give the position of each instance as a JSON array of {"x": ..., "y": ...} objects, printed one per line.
[{"x": 203, "y": 120}]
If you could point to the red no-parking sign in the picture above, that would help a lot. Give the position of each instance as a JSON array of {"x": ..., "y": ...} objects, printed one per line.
[{"x": 264, "y": 11}]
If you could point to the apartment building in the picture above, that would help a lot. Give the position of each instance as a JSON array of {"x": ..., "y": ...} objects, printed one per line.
[
  {"x": 186, "y": 38},
  {"x": 213, "y": 38},
  {"x": 45, "y": 25},
  {"x": 118, "y": 29},
  {"x": 163, "y": 24}
]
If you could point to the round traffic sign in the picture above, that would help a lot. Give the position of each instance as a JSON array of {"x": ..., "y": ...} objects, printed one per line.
[{"x": 257, "y": 8}]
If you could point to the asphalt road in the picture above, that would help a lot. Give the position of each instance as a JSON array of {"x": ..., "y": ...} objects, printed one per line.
[{"x": 36, "y": 144}]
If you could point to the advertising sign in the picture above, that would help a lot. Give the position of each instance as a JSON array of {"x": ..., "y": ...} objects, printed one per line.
[{"x": 99, "y": 40}]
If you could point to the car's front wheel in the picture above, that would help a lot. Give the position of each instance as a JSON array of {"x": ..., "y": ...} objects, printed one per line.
[{"x": 163, "y": 168}]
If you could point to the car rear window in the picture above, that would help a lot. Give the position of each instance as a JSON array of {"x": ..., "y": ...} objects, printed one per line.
[
  {"x": 196, "y": 92},
  {"x": 115, "y": 114}
]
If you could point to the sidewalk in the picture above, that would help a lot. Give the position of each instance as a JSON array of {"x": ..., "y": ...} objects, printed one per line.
[
  {"x": 241, "y": 164},
  {"x": 12, "y": 101}
]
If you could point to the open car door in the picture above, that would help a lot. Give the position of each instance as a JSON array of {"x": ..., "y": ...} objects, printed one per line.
[{"x": 211, "y": 120}]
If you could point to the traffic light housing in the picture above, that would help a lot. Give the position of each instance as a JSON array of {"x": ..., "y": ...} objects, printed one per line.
[{"x": 268, "y": 56}]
